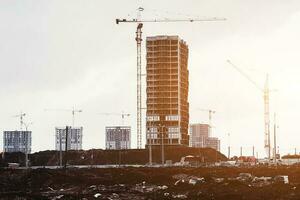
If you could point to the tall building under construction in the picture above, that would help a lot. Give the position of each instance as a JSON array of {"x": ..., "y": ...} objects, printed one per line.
[{"x": 167, "y": 91}]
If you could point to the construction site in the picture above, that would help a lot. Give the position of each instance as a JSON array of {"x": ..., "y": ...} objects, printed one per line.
[{"x": 164, "y": 155}]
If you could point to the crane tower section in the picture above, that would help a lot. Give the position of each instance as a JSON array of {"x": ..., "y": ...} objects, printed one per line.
[{"x": 267, "y": 118}]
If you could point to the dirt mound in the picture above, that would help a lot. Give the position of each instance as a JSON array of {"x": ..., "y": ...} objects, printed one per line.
[{"x": 101, "y": 157}]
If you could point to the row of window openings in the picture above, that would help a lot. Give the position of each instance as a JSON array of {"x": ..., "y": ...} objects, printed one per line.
[
  {"x": 167, "y": 118},
  {"x": 168, "y": 136}
]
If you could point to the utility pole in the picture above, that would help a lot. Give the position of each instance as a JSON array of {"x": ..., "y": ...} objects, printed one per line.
[
  {"x": 66, "y": 146},
  {"x": 253, "y": 151},
  {"x": 60, "y": 149},
  {"x": 275, "y": 159},
  {"x": 241, "y": 151},
  {"x": 150, "y": 145},
  {"x": 162, "y": 147},
  {"x": 228, "y": 145},
  {"x": 26, "y": 143}
]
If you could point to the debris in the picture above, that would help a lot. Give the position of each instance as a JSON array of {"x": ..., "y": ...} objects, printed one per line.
[
  {"x": 261, "y": 181},
  {"x": 97, "y": 195},
  {"x": 244, "y": 177},
  {"x": 164, "y": 187},
  {"x": 193, "y": 181},
  {"x": 179, "y": 176},
  {"x": 179, "y": 181},
  {"x": 183, "y": 178},
  {"x": 281, "y": 179},
  {"x": 93, "y": 187},
  {"x": 179, "y": 196},
  {"x": 58, "y": 197},
  {"x": 51, "y": 188},
  {"x": 218, "y": 180}
]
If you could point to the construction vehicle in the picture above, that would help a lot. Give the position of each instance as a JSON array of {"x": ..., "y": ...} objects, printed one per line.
[{"x": 138, "y": 39}]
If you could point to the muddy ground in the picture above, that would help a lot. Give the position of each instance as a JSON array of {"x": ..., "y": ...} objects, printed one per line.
[{"x": 151, "y": 183}]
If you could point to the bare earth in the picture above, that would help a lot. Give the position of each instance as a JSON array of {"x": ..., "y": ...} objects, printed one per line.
[{"x": 151, "y": 183}]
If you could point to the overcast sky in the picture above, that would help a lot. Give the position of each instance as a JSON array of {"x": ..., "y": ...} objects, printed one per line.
[{"x": 56, "y": 54}]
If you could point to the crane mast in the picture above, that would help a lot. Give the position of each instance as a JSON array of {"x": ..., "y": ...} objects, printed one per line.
[
  {"x": 21, "y": 115},
  {"x": 139, "y": 84},
  {"x": 265, "y": 91},
  {"x": 73, "y": 111},
  {"x": 139, "y": 63},
  {"x": 267, "y": 118},
  {"x": 210, "y": 113}
]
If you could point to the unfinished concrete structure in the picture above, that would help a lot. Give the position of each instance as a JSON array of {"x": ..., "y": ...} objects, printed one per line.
[
  {"x": 213, "y": 142},
  {"x": 74, "y": 138},
  {"x": 200, "y": 137},
  {"x": 17, "y": 141},
  {"x": 198, "y": 134},
  {"x": 117, "y": 137},
  {"x": 167, "y": 91}
]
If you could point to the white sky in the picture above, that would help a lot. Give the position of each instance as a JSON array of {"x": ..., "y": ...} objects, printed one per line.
[{"x": 65, "y": 53}]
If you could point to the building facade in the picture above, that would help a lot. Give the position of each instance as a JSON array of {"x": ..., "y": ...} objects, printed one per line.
[
  {"x": 213, "y": 142},
  {"x": 200, "y": 137},
  {"x": 117, "y": 137},
  {"x": 167, "y": 91},
  {"x": 17, "y": 141},
  {"x": 74, "y": 138},
  {"x": 199, "y": 134}
]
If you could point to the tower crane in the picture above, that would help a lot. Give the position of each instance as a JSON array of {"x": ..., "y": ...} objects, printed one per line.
[
  {"x": 73, "y": 111},
  {"x": 265, "y": 92},
  {"x": 139, "y": 22},
  {"x": 21, "y": 115},
  {"x": 123, "y": 115}
]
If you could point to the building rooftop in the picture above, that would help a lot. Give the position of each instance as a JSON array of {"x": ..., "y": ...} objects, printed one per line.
[{"x": 164, "y": 37}]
